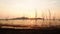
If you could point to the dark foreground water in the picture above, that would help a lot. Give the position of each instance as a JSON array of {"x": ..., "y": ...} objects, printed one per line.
[{"x": 29, "y": 31}]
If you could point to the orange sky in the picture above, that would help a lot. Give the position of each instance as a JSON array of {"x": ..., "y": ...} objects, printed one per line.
[{"x": 19, "y": 8}]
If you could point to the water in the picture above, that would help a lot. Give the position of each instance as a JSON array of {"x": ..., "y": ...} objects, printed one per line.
[{"x": 40, "y": 23}]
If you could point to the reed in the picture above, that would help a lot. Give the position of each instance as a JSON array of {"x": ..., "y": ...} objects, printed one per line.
[
  {"x": 49, "y": 17},
  {"x": 35, "y": 17}
]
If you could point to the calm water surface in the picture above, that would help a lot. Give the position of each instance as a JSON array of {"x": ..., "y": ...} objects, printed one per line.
[{"x": 31, "y": 22}]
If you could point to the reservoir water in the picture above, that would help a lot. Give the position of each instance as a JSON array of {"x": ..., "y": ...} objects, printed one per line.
[{"x": 40, "y": 23}]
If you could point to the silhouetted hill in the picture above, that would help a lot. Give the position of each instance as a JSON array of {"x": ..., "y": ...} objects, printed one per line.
[
  {"x": 21, "y": 18},
  {"x": 26, "y": 18}
]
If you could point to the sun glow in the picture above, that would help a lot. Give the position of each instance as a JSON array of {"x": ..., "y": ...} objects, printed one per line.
[
  {"x": 18, "y": 8},
  {"x": 28, "y": 7}
]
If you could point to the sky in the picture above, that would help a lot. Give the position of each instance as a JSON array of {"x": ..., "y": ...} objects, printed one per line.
[{"x": 19, "y": 8}]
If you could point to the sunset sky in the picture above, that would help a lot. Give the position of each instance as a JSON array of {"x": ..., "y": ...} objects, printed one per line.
[{"x": 19, "y": 8}]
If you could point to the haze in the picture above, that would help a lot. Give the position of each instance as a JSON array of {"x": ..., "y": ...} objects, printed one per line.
[{"x": 19, "y": 8}]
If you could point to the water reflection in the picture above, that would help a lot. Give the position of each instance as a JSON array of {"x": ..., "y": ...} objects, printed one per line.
[{"x": 31, "y": 22}]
